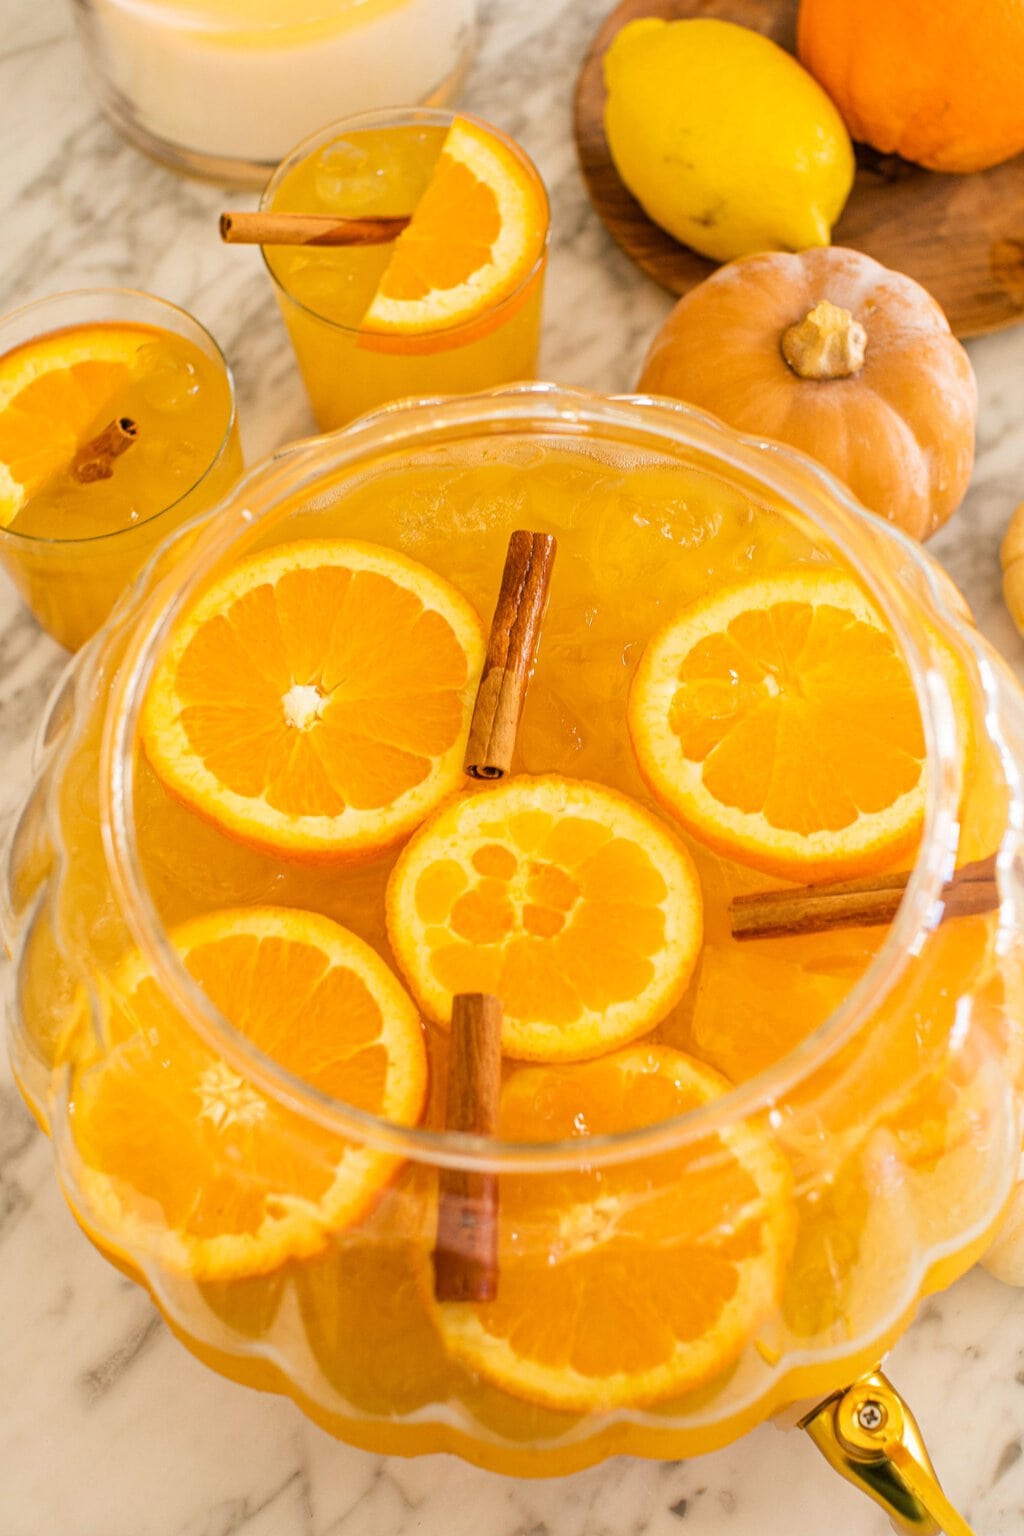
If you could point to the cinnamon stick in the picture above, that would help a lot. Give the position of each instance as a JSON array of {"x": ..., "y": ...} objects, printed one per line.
[
  {"x": 284, "y": 228},
  {"x": 466, "y": 1253},
  {"x": 867, "y": 903},
  {"x": 511, "y": 653},
  {"x": 95, "y": 459}
]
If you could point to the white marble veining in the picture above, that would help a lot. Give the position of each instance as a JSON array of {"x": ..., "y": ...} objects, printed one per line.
[{"x": 107, "y": 1427}]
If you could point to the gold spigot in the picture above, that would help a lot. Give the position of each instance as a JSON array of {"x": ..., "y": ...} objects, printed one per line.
[{"x": 869, "y": 1435}]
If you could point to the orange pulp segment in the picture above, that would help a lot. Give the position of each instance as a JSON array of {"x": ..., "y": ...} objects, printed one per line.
[
  {"x": 181, "y": 1157},
  {"x": 57, "y": 392},
  {"x": 570, "y": 902},
  {"x": 756, "y": 1002},
  {"x": 315, "y": 701},
  {"x": 640, "y": 1280},
  {"x": 475, "y": 235},
  {"x": 778, "y": 721}
]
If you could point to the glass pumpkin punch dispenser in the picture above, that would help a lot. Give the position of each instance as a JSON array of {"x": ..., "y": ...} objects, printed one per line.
[{"x": 735, "y": 927}]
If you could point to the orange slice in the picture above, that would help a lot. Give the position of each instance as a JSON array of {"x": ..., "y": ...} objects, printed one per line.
[
  {"x": 476, "y": 234},
  {"x": 571, "y": 903},
  {"x": 180, "y": 1157},
  {"x": 315, "y": 701},
  {"x": 777, "y": 720},
  {"x": 56, "y": 393},
  {"x": 630, "y": 1283},
  {"x": 755, "y": 1004},
  {"x": 365, "y": 1323}
]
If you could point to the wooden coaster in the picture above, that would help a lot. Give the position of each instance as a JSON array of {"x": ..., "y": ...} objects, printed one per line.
[{"x": 962, "y": 237}]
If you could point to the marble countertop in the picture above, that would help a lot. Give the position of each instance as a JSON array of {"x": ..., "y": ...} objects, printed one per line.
[{"x": 107, "y": 1426}]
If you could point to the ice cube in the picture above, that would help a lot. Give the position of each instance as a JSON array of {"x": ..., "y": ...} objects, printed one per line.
[
  {"x": 170, "y": 460},
  {"x": 347, "y": 180},
  {"x": 321, "y": 280},
  {"x": 168, "y": 382},
  {"x": 553, "y": 732}
]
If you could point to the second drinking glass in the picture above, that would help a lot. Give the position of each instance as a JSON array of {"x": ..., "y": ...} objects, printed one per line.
[
  {"x": 454, "y": 304},
  {"x": 85, "y": 377}
]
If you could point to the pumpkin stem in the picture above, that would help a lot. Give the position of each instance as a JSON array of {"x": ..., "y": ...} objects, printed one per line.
[{"x": 828, "y": 343}]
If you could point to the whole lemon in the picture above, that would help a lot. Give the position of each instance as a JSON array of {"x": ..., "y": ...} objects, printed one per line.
[{"x": 723, "y": 138}]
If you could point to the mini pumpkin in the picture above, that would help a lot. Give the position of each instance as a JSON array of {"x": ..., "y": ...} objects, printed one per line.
[{"x": 831, "y": 352}]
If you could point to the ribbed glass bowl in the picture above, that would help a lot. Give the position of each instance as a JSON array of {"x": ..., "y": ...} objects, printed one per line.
[{"x": 898, "y": 1121}]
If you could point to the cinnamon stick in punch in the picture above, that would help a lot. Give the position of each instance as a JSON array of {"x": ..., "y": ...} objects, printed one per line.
[
  {"x": 869, "y": 903},
  {"x": 511, "y": 653},
  {"x": 466, "y": 1252},
  {"x": 284, "y": 228},
  {"x": 95, "y": 459}
]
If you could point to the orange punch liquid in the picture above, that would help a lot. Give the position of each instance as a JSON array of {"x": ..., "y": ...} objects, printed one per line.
[{"x": 303, "y": 831}]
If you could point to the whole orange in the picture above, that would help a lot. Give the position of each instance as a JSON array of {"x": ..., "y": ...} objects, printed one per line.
[{"x": 940, "y": 82}]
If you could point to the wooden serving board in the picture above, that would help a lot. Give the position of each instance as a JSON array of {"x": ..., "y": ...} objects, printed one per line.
[{"x": 962, "y": 237}]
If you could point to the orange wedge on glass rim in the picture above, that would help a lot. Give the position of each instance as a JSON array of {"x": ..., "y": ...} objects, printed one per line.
[
  {"x": 54, "y": 396},
  {"x": 180, "y": 1156},
  {"x": 567, "y": 900},
  {"x": 639, "y": 1280},
  {"x": 476, "y": 235},
  {"x": 315, "y": 701},
  {"x": 777, "y": 720}
]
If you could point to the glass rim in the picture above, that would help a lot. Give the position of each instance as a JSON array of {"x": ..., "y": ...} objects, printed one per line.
[
  {"x": 551, "y": 410},
  {"x": 379, "y": 117},
  {"x": 49, "y": 541}
]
